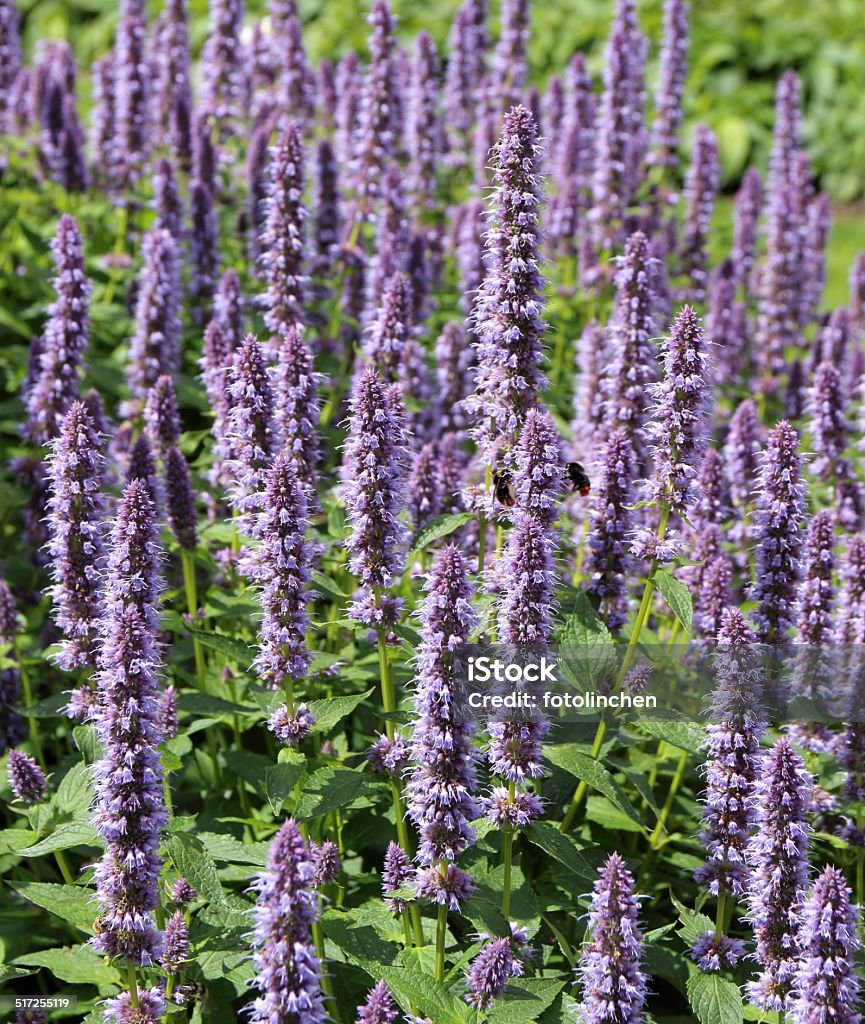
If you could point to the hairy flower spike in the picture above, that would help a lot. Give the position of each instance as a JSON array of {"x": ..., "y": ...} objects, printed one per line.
[
  {"x": 180, "y": 499},
  {"x": 297, "y": 406},
  {"x": 287, "y": 970},
  {"x": 489, "y": 974},
  {"x": 701, "y": 189},
  {"x": 26, "y": 778},
  {"x": 749, "y": 200},
  {"x": 424, "y": 130},
  {"x": 829, "y": 425},
  {"x": 509, "y": 66},
  {"x": 223, "y": 84},
  {"x": 396, "y": 873},
  {"x": 150, "y": 1008},
  {"x": 155, "y": 347},
  {"x": 671, "y": 84},
  {"x": 610, "y": 971},
  {"x": 161, "y": 413},
  {"x": 378, "y": 1008},
  {"x": 539, "y": 463},
  {"x": 175, "y": 943},
  {"x": 131, "y": 91},
  {"x": 507, "y": 315},
  {"x": 76, "y": 508}
]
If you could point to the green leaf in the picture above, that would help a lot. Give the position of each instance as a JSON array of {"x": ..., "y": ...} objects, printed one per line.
[
  {"x": 332, "y": 710},
  {"x": 70, "y": 902},
  {"x": 328, "y": 788},
  {"x": 87, "y": 742},
  {"x": 196, "y": 865},
  {"x": 594, "y": 774},
  {"x": 694, "y": 924},
  {"x": 563, "y": 849},
  {"x": 222, "y": 846},
  {"x": 684, "y": 735},
  {"x": 715, "y": 1000},
  {"x": 78, "y": 965},
  {"x": 582, "y": 624},
  {"x": 280, "y": 780},
  {"x": 205, "y": 704},
  {"x": 73, "y": 796},
  {"x": 231, "y": 646},
  {"x": 70, "y": 833},
  {"x": 12, "y": 839},
  {"x": 677, "y": 596},
  {"x": 411, "y": 987},
  {"x": 326, "y": 585},
  {"x": 525, "y": 999},
  {"x": 435, "y": 529}
]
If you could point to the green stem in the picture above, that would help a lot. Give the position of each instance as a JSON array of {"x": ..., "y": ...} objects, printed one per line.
[
  {"x": 63, "y": 864},
  {"x": 388, "y": 694},
  {"x": 441, "y": 935},
  {"x": 192, "y": 609},
  {"x": 32, "y": 723},
  {"x": 721, "y": 915},
  {"x": 507, "y": 858},
  {"x": 668, "y": 803},
  {"x": 119, "y": 246},
  {"x": 133, "y": 984}
]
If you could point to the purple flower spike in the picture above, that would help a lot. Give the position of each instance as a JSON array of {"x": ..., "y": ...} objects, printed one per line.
[
  {"x": 150, "y": 1008},
  {"x": 701, "y": 189},
  {"x": 223, "y": 85},
  {"x": 826, "y": 987},
  {"x": 131, "y": 92},
  {"x": 296, "y": 82},
  {"x": 130, "y": 812},
  {"x": 64, "y": 340},
  {"x": 389, "y": 756},
  {"x": 507, "y": 315},
  {"x": 778, "y": 856},
  {"x": 297, "y": 406},
  {"x": 283, "y": 239},
  {"x": 460, "y": 84},
  {"x": 167, "y": 716},
  {"x": 379, "y": 1007},
  {"x": 717, "y": 954},
  {"x": 727, "y": 326},
  {"x": 76, "y": 508},
  {"x": 676, "y": 428},
  {"x": 633, "y": 364},
  {"x": 857, "y": 292},
  {"x": 142, "y": 466},
  {"x": 175, "y": 943},
  {"x": 424, "y": 128},
  {"x": 424, "y": 486},
  {"x": 851, "y": 604},
  {"x": 290, "y": 727},
  {"x": 375, "y": 459},
  {"x": 489, "y": 974},
  {"x": 204, "y": 238},
  {"x": 814, "y": 621},
  {"x": 396, "y": 873},
  {"x": 608, "y": 559},
  {"x": 103, "y": 122},
  {"x": 161, "y": 414},
  {"x": 749, "y": 200},
  {"x": 26, "y": 778},
  {"x": 445, "y": 885},
  {"x": 732, "y": 756},
  {"x": 588, "y": 395},
  {"x": 283, "y": 566},
  {"x": 442, "y": 780},
  {"x": 287, "y": 970},
  {"x": 180, "y": 499},
  {"x": 327, "y": 225},
  {"x": 327, "y": 863},
  {"x": 155, "y": 347},
  {"x": 455, "y": 362},
  {"x": 173, "y": 83},
  {"x": 10, "y": 55},
  {"x": 778, "y": 527},
  {"x": 509, "y": 66},
  {"x": 385, "y": 341},
  {"x": 829, "y": 425},
  {"x": 166, "y": 199},
  {"x": 252, "y": 432},
  {"x": 539, "y": 477},
  {"x": 671, "y": 84},
  {"x": 610, "y": 971},
  {"x": 182, "y": 893},
  {"x": 527, "y": 578}
]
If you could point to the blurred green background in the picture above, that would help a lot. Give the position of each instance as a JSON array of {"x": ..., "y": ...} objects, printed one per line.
[{"x": 739, "y": 49}]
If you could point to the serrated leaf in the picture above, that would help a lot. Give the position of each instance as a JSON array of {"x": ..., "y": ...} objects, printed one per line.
[
  {"x": 333, "y": 709},
  {"x": 413, "y": 988},
  {"x": 525, "y": 999},
  {"x": 280, "y": 781},
  {"x": 222, "y": 846},
  {"x": 563, "y": 849},
  {"x": 12, "y": 839},
  {"x": 435, "y": 529},
  {"x": 232, "y": 647},
  {"x": 74, "y": 795},
  {"x": 327, "y": 586},
  {"x": 70, "y": 902},
  {"x": 694, "y": 924},
  {"x": 687, "y": 736},
  {"x": 78, "y": 965},
  {"x": 677, "y": 596},
  {"x": 70, "y": 833},
  {"x": 594, "y": 774},
  {"x": 714, "y": 999},
  {"x": 192, "y": 860},
  {"x": 205, "y": 704},
  {"x": 328, "y": 788}
]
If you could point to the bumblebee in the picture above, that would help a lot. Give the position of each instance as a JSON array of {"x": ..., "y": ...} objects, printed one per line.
[
  {"x": 579, "y": 479},
  {"x": 505, "y": 493}
]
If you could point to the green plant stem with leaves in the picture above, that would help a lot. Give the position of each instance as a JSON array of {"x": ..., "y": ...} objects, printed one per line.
[{"x": 507, "y": 858}]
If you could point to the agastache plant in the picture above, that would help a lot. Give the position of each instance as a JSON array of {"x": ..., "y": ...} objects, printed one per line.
[
  {"x": 701, "y": 188},
  {"x": 671, "y": 84}
]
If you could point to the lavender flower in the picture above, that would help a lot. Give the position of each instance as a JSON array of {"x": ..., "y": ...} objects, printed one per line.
[
  {"x": 161, "y": 414},
  {"x": 732, "y": 756},
  {"x": 374, "y": 460},
  {"x": 142, "y": 466},
  {"x": 396, "y": 873},
  {"x": 175, "y": 943},
  {"x": 423, "y": 487},
  {"x": 349, "y": 89},
  {"x": 283, "y": 566},
  {"x": 10, "y": 55},
  {"x": 287, "y": 969},
  {"x": 26, "y": 778},
  {"x": 614, "y": 985},
  {"x": 851, "y": 603},
  {"x": 291, "y": 726},
  {"x": 469, "y": 253},
  {"x": 180, "y": 499},
  {"x": 527, "y": 577},
  {"x": 588, "y": 397},
  {"x": 778, "y": 525},
  {"x": 607, "y": 557},
  {"x": 155, "y": 347},
  {"x": 65, "y": 337},
  {"x": 173, "y": 84},
  {"x": 252, "y": 432},
  {"x": 423, "y": 128},
  {"x": 817, "y": 591},
  {"x": 749, "y": 199},
  {"x": 130, "y": 90},
  {"x": 205, "y": 246},
  {"x": 282, "y": 241},
  {"x": 507, "y": 309},
  {"x": 103, "y": 126},
  {"x": 389, "y": 756},
  {"x": 778, "y": 856},
  {"x": 509, "y": 65},
  {"x": 460, "y": 84},
  {"x": 385, "y": 340},
  {"x": 671, "y": 84},
  {"x": 489, "y": 974},
  {"x": 182, "y": 893},
  {"x": 442, "y": 779},
  {"x": 633, "y": 363},
  {"x": 379, "y": 1007},
  {"x": 576, "y": 155},
  {"x": 327, "y": 212},
  {"x": 829, "y": 426},
  {"x": 149, "y": 1010},
  {"x": 445, "y": 885},
  {"x": 677, "y": 423},
  {"x": 75, "y": 521},
  {"x": 539, "y": 477},
  {"x": 167, "y": 715},
  {"x": 327, "y": 863},
  {"x": 166, "y": 199},
  {"x": 454, "y": 360},
  {"x": 223, "y": 84},
  {"x": 296, "y": 83},
  {"x": 701, "y": 188},
  {"x": 716, "y": 953},
  {"x": 297, "y": 406},
  {"x": 857, "y": 292},
  {"x": 130, "y": 813},
  {"x": 740, "y": 455},
  {"x": 727, "y": 326}
]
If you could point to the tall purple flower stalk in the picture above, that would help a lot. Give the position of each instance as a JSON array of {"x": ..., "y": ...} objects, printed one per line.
[
  {"x": 455, "y": 362},
  {"x": 295, "y": 80},
  {"x": 161, "y": 414},
  {"x": 673, "y": 69},
  {"x": 814, "y": 618},
  {"x": 166, "y": 198},
  {"x": 131, "y": 91},
  {"x": 288, "y": 973},
  {"x": 460, "y": 84},
  {"x": 283, "y": 238},
  {"x": 424, "y": 128},
  {"x": 173, "y": 100},
  {"x": 26, "y": 779},
  {"x": 130, "y": 812},
  {"x": 64, "y": 340},
  {"x": 75, "y": 521},
  {"x": 610, "y": 971},
  {"x": 701, "y": 189},
  {"x": 509, "y": 65},
  {"x": 490, "y": 972},
  {"x": 10, "y": 54},
  {"x": 442, "y": 776},
  {"x": 180, "y": 499},
  {"x": 777, "y": 529},
  {"x": 297, "y": 406},
  {"x": 375, "y": 460},
  {"x": 778, "y": 857},
  {"x": 851, "y": 603},
  {"x": 588, "y": 395},
  {"x": 829, "y": 425},
  {"x": 676, "y": 428},
  {"x": 378, "y": 1008},
  {"x": 507, "y": 315},
  {"x": 826, "y": 986},
  {"x": 749, "y": 200},
  {"x": 607, "y": 556},
  {"x": 155, "y": 347},
  {"x": 102, "y": 131},
  {"x": 13, "y": 727},
  {"x": 223, "y": 84}
]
